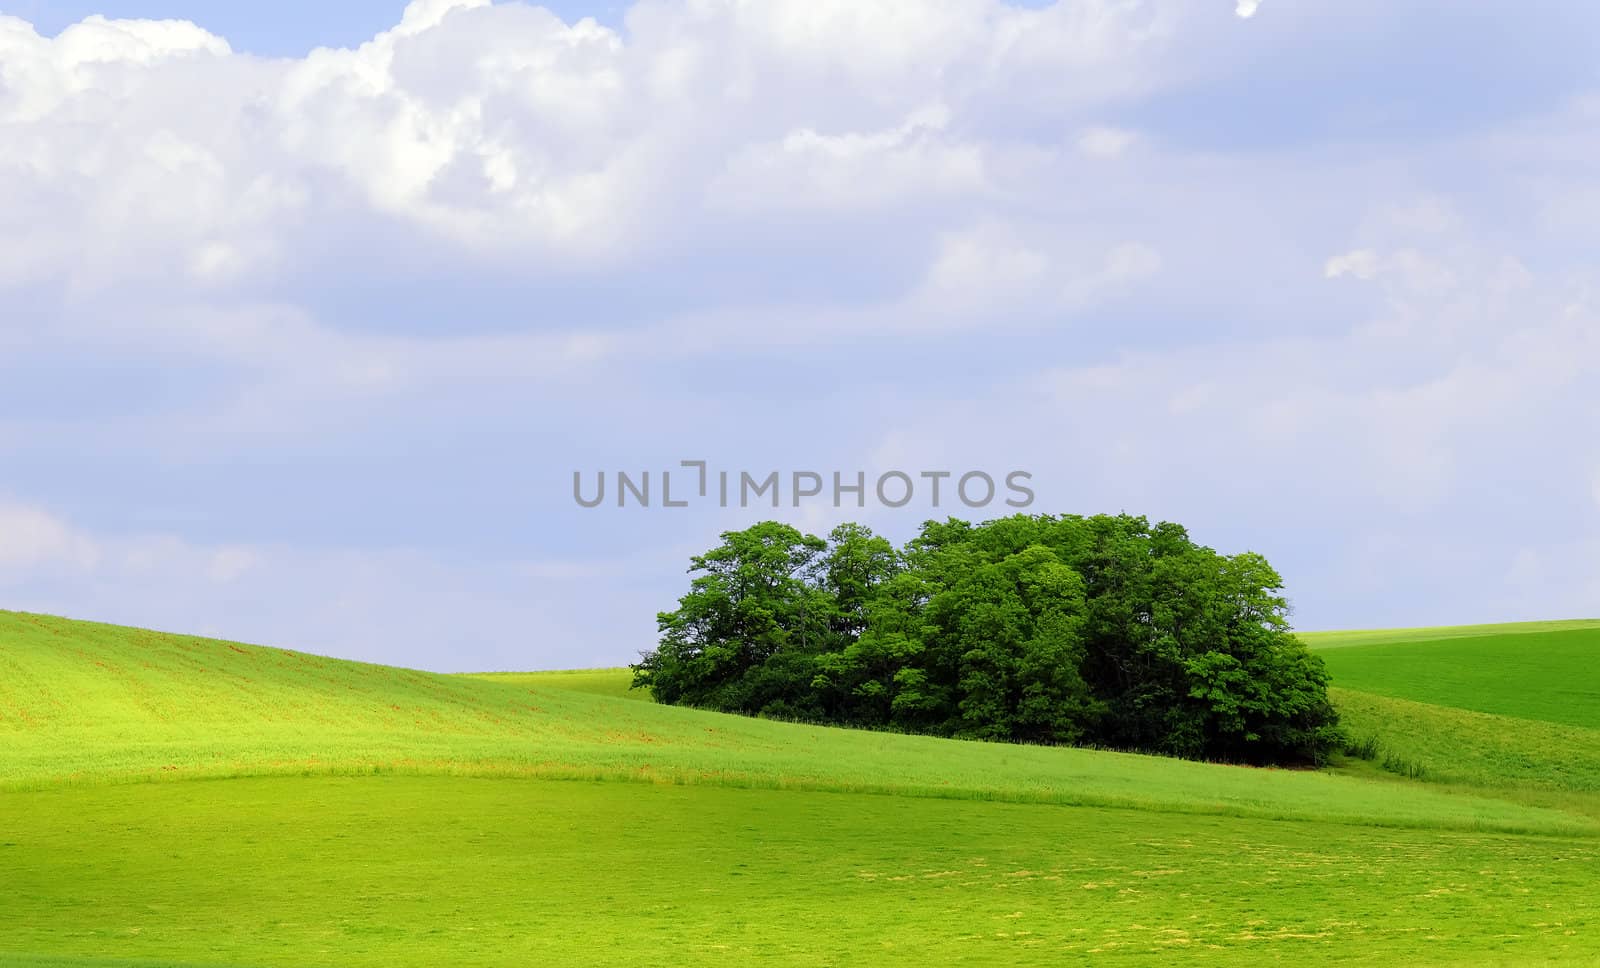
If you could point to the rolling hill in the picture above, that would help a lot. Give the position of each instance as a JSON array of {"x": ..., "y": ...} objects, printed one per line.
[
  {"x": 1546, "y": 675},
  {"x": 1513, "y": 707},
  {"x": 188, "y": 801}
]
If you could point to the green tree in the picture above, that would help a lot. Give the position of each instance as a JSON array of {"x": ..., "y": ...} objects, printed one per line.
[
  {"x": 1054, "y": 629},
  {"x": 752, "y": 600}
]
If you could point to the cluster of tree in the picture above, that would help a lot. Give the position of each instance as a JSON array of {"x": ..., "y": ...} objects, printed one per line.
[{"x": 1072, "y": 630}]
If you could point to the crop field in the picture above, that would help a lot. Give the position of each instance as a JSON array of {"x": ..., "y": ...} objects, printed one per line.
[
  {"x": 167, "y": 800},
  {"x": 1547, "y": 676}
]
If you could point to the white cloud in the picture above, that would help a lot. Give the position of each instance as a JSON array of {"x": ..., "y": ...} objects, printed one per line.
[
  {"x": 913, "y": 160},
  {"x": 1246, "y": 8},
  {"x": 487, "y": 213},
  {"x": 422, "y": 15},
  {"x": 1360, "y": 263},
  {"x": 995, "y": 267},
  {"x": 1445, "y": 404},
  {"x": 1104, "y": 142},
  {"x": 96, "y": 55},
  {"x": 988, "y": 262},
  {"x": 31, "y": 538},
  {"x": 508, "y": 133}
]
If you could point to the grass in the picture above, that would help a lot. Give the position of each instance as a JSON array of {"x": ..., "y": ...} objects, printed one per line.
[
  {"x": 1341, "y": 639},
  {"x": 340, "y": 813},
  {"x": 616, "y": 682},
  {"x": 486, "y": 872},
  {"x": 1550, "y": 676},
  {"x": 91, "y": 704},
  {"x": 1481, "y": 749},
  {"x": 1513, "y": 708}
]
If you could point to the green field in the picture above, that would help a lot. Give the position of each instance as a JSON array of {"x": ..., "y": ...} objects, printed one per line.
[
  {"x": 172, "y": 800},
  {"x": 600, "y": 682},
  {"x": 1515, "y": 708},
  {"x": 1322, "y": 641},
  {"x": 1527, "y": 675}
]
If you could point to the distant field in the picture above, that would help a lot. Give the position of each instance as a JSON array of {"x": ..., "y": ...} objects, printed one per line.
[
  {"x": 599, "y": 682},
  {"x": 1548, "y": 675},
  {"x": 1513, "y": 707},
  {"x": 1340, "y": 639},
  {"x": 308, "y": 811}
]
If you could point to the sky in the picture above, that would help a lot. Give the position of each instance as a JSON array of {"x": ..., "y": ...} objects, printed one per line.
[{"x": 309, "y": 313}]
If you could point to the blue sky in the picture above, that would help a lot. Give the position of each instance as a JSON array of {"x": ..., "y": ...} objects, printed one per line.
[
  {"x": 288, "y": 29},
  {"x": 304, "y": 348}
]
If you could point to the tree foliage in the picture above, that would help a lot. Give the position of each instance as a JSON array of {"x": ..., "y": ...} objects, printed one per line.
[{"x": 1099, "y": 630}]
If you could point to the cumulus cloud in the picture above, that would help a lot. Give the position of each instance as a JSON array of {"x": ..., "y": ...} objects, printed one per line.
[
  {"x": 496, "y": 141},
  {"x": 385, "y": 290},
  {"x": 1246, "y": 8},
  {"x": 507, "y": 132}
]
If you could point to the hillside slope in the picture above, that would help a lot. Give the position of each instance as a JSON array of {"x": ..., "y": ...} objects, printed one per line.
[
  {"x": 383, "y": 817},
  {"x": 1348, "y": 637},
  {"x": 88, "y": 703},
  {"x": 1552, "y": 675},
  {"x": 1500, "y": 706}
]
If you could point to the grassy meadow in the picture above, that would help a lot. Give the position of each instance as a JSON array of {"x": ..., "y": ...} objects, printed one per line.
[
  {"x": 169, "y": 800},
  {"x": 1516, "y": 708},
  {"x": 1540, "y": 676}
]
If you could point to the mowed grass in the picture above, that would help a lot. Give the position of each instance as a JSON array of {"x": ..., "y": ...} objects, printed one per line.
[
  {"x": 381, "y": 871},
  {"x": 91, "y": 703},
  {"x": 320, "y": 812}
]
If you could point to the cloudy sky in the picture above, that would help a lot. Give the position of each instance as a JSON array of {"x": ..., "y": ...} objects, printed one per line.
[{"x": 309, "y": 312}]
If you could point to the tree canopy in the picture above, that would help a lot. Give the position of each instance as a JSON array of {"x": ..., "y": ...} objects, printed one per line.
[{"x": 1102, "y": 630}]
